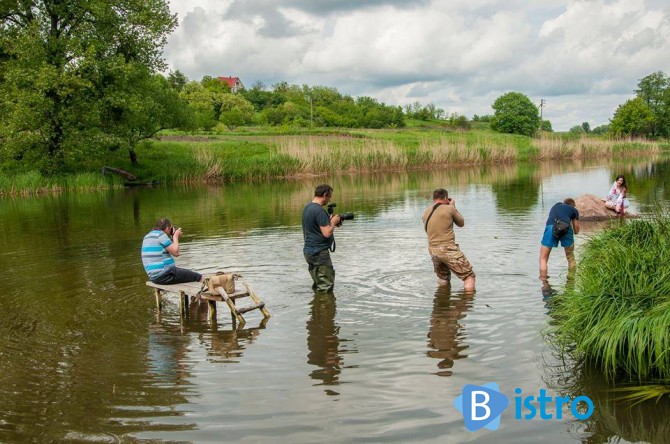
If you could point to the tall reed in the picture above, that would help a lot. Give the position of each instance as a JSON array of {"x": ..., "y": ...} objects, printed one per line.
[{"x": 617, "y": 314}]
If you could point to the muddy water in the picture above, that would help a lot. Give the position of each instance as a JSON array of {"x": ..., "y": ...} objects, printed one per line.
[{"x": 86, "y": 357}]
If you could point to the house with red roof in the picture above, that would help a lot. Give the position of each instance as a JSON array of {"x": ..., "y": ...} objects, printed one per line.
[{"x": 234, "y": 83}]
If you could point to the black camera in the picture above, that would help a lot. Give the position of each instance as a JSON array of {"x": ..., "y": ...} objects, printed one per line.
[
  {"x": 343, "y": 216},
  {"x": 173, "y": 230}
]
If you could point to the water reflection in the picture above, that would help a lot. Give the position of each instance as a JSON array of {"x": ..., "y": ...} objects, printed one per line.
[
  {"x": 614, "y": 418},
  {"x": 323, "y": 342},
  {"x": 446, "y": 336}
]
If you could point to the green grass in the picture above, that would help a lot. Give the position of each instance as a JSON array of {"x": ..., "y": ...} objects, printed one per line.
[
  {"x": 259, "y": 153},
  {"x": 617, "y": 315},
  {"x": 34, "y": 183}
]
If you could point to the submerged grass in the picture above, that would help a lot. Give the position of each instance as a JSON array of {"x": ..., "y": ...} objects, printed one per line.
[{"x": 617, "y": 314}]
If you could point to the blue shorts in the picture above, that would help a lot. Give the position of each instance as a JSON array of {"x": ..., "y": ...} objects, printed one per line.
[{"x": 549, "y": 241}]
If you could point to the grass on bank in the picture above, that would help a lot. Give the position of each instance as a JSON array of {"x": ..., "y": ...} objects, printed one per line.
[
  {"x": 617, "y": 315},
  {"x": 263, "y": 153}
]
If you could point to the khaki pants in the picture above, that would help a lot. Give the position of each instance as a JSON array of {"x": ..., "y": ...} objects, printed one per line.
[
  {"x": 321, "y": 269},
  {"x": 447, "y": 260}
]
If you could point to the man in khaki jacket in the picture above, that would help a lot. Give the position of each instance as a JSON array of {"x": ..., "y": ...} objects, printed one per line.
[{"x": 438, "y": 221}]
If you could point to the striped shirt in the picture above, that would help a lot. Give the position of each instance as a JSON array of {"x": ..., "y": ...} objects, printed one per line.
[{"x": 155, "y": 258}]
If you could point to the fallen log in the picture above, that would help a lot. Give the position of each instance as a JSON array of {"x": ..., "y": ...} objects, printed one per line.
[{"x": 104, "y": 170}]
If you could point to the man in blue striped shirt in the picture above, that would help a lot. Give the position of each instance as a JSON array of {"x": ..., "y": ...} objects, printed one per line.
[{"x": 157, "y": 255}]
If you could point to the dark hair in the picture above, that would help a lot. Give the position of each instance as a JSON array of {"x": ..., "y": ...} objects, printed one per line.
[
  {"x": 162, "y": 224},
  {"x": 323, "y": 190},
  {"x": 623, "y": 185},
  {"x": 570, "y": 201},
  {"x": 440, "y": 193}
]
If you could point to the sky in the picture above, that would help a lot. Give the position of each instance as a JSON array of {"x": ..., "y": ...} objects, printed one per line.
[{"x": 583, "y": 57}]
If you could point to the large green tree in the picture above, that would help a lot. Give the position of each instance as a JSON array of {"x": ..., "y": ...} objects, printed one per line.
[
  {"x": 514, "y": 113},
  {"x": 634, "y": 118},
  {"x": 59, "y": 62},
  {"x": 654, "y": 90}
]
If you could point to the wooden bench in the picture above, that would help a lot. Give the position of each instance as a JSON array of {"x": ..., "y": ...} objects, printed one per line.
[{"x": 196, "y": 290}]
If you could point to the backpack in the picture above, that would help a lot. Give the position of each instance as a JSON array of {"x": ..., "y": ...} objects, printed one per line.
[{"x": 560, "y": 228}]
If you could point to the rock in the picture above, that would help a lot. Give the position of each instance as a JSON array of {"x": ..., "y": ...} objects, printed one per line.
[{"x": 592, "y": 208}]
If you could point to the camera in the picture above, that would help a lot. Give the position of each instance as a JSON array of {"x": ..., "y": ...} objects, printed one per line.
[
  {"x": 173, "y": 230},
  {"x": 343, "y": 216}
]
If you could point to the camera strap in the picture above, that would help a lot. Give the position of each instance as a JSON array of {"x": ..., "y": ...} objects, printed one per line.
[{"x": 431, "y": 215}]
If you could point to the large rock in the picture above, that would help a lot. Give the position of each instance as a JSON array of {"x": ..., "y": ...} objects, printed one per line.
[{"x": 592, "y": 207}]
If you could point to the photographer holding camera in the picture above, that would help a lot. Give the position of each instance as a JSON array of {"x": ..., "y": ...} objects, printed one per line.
[
  {"x": 438, "y": 221},
  {"x": 317, "y": 229},
  {"x": 157, "y": 255}
]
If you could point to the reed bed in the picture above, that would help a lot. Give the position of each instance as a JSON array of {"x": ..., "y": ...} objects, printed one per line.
[
  {"x": 617, "y": 315},
  {"x": 470, "y": 151},
  {"x": 33, "y": 183},
  {"x": 557, "y": 147},
  {"x": 331, "y": 154}
]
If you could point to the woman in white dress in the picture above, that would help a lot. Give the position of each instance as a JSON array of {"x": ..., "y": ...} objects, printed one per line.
[{"x": 616, "y": 198}]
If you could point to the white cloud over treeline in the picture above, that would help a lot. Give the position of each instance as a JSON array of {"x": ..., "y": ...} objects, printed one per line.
[{"x": 584, "y": 57}]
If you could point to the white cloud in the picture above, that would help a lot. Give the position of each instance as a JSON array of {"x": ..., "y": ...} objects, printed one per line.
[{"x": 584, "y": 57}]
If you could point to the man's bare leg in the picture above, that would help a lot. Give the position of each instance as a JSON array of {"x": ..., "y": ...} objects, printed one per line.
[
  {"x": 544, "y": 259},
  {"x": 469, "y": 284},
  {"x": 570, "y": 255}
]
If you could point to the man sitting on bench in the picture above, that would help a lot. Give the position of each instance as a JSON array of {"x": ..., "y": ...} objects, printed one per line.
[{"x": 158, "y": 252}]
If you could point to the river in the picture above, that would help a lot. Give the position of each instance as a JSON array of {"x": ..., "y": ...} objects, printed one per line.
[{"x": 86, "y": 357}]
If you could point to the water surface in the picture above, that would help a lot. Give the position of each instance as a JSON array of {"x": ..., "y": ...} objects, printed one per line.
[{"x": 86, "y": 357}]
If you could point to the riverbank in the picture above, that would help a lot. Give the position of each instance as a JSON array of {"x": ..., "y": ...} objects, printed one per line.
[
  {"x": 262, "y": 154},
  {"x": 616, "y": 315}
]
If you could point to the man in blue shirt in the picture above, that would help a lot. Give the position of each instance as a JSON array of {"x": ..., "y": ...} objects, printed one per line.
[
  {"x": 157, "y": 255},
  {"x": 566, "y": 212},
  {"x": 317, "y": 229}
]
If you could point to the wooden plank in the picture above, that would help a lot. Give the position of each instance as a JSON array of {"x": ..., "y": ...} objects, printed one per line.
[
  {"x": 219, "y": 298},
  {"x": 189, "y": 288},
  {"x": 251, "y": 307}
]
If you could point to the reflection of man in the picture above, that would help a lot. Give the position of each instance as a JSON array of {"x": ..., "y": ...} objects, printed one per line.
[
  {"x": 443, "y": 337},
  {"x": 566, "y": 212},
  {"x": 448, "y": 258},
  {"x": 157, "y": 255},
  {"x": 317, "y": 229},
  {"x": 322, "y": 339}
]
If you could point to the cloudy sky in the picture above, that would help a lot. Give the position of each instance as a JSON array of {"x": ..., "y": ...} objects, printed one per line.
[{"x": 583, "y": 57}]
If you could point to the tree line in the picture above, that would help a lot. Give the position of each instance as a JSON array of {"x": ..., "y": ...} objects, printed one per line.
[{"x": 80, "y": 78}]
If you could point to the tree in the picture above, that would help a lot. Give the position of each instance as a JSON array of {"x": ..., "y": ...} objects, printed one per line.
[
  {"x": 634, "y": 118},
  {"x": 177, "y": 80},
  {"x": 514, "y": 113},
  {"x": 545, "y": 125},
  {"x": 235, "y": 110},
  {"x": 586, "y": 127},
  {"x": 59, "y": 58},
  {"x": 600, "y": 129},
  {"x": 577, "y": 129},
  {"x": 652, "y": 89}
]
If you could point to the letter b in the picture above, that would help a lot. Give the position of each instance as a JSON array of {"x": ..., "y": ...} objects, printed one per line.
[{"x": 483, "y": 404}]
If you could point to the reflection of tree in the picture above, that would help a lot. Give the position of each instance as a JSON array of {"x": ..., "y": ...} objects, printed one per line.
[
  {"x": 323, "y": 341},
  {"x": 445, "y": 337},
  {"x": 518, "y": 195}
]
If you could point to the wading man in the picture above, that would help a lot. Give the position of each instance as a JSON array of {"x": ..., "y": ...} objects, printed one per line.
[
  {"x": 158, "y": 250},
  {"x": 562, "y": 225},
  {"x": 438, "y": 221},
  {"x": 317, "y": 229}
]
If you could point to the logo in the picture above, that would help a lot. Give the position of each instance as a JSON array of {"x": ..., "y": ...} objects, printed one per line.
[{"x": 482, "y": 406}]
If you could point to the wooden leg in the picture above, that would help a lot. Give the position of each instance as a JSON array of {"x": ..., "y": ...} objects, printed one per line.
[
  {"x": 257, "y": 301},
  {"x": 159, "y": 304},
  {"x": 211, "y": 310},
  {"x": 182, "y": 299}
]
